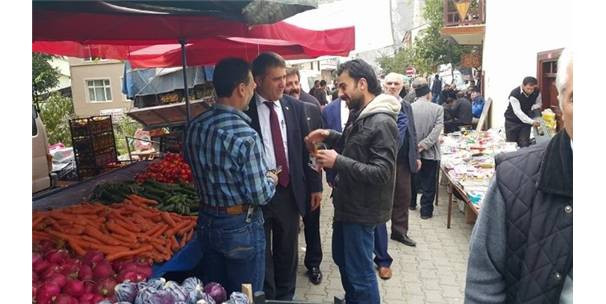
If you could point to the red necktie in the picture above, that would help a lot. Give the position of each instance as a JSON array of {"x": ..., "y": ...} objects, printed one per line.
[{"x": 276, "y": 138}]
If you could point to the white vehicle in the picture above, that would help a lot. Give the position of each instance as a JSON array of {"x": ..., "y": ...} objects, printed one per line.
[{"x": 42, "y": 164}]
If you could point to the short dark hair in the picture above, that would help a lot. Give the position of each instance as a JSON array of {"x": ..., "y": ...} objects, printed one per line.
[
  {"x": 316, "y": 82},
  {"x": 293, "y": 71},
  {"x": 529, "y": 81},
  {"x": 228, "y": 74},
  {"x": 323, "y": 82},
  {"x": 357, "y": 69},
  {"x": 437, "y": 76},
  {"x": 266, "y": 60}
]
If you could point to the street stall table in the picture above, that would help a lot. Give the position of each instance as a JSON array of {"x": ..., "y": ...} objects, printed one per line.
[{"x": 468, "y": 165}]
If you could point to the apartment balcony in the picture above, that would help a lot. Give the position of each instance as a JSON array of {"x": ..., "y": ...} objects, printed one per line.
[{"x": 464, "y": 21}]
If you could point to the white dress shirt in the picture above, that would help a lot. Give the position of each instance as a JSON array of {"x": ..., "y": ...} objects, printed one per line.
[
  {"x": 268, "y": 144},
  {"x": 344, "y": 114}
]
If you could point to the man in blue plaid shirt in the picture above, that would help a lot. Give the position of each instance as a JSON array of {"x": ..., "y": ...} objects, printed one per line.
[{"x": 232, "y": 179}]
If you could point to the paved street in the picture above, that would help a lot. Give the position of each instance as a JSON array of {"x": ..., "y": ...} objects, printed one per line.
[{"x": 432, "y": 272}]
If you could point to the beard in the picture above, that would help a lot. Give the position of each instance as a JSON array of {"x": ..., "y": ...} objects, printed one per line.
[{"x": 355, "y": 102}]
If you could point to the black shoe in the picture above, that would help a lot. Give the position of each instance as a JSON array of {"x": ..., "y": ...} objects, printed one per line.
[
  {"x": 425, "y": 217},
  {"x": 412, "y": 207},
  {"x": 404, "y": 239},
  {"x": 315, "y": 275}
]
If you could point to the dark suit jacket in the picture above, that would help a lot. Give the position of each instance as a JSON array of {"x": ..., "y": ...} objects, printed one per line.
[
  {"x": 309, "y": 98},
  {"x": 303, "y": 179},
  {"x": 408, "y": 151},
  {"x": 331, "y": 119}
]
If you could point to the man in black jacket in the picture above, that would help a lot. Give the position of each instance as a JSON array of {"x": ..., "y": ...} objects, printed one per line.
[
  {"x": 313, "y": 117},
  {"x": 365, "y": 161},
  {"x": 459, "y": 113},
  {"x": 521, "y": 246},
  {"x": 280, "y": 121}
]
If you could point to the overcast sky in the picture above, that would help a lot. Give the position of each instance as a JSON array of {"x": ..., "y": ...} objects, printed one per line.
[{"x": 370, "y": 18}]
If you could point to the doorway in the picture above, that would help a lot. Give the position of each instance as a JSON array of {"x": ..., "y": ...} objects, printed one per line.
[{"x": 547, "y": 69}]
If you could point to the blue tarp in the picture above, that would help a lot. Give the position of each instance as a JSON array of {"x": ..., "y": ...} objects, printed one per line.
[
  {"x": 153, "y": 81},
  {"x": 183, "y": 260}
]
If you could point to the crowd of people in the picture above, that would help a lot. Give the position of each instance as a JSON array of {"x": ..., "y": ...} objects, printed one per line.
[{"x": 258, "y": 157}]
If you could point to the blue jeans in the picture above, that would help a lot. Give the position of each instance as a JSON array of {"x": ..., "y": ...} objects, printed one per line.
[
  {"x": 233, "y": 251},
  {"x": 352, "y": 248}
]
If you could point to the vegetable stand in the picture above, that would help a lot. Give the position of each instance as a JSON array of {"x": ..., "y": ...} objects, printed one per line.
[{"x": 122, "y": 226}]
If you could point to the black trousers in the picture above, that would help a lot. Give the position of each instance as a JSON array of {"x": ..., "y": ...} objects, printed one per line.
[
  {"x": 518, "y": 133},
  {"x": 425, "y": 180},
  {"x": 401, "y": 198},
  {"x": 313, "y": 252},
  {"x": 281, "y": 217}
]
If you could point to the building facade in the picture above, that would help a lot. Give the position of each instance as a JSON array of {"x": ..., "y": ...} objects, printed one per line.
[
  {"x": 97, "y": 87},
  {"x": 527, "y": 47}
]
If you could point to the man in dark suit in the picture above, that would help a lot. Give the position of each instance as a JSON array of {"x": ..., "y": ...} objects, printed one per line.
[
  {"x": 280, "y": 121},
  {"x": 334, "y": 117},
  {"x": 313, "y": 117}
]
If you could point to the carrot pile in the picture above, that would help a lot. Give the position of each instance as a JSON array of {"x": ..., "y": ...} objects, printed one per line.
[{"x": 132, "y": 228}]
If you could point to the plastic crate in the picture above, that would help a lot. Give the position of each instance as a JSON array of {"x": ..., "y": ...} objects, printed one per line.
[{"x": 94, "y": 144}]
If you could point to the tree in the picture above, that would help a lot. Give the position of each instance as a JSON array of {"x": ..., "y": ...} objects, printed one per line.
[
  {"x": 44, "y": 76},
  {"x": 55, "y": 113},
  {"x": 430, "y": 49},
  {"x": 125, "y": 127}
]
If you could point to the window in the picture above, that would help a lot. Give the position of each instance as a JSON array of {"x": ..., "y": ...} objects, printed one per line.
[{"x": 99, "y": 90}]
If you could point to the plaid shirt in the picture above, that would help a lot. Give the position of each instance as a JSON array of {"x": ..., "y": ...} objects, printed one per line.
[{"x": 226, "y": 158}]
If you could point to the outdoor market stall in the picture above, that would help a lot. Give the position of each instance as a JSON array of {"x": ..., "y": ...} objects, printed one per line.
[
  {"x": 468, "y": 164},
  {"x": 138, "y": 222}
]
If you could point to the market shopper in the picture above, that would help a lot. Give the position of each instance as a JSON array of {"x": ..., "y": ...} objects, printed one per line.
[
  {"x": 477, "y": 104},
  {"x": 233, "y": 181},
  {"x": 521, "y": 246},
  {"x": 429, "y": 122},
  {"x": 408, "y": 162},
  {"x": 364, "y": 161},
  {"x": 522, "y": 101},
  {"x": 411, "y": 96},
  {"x": 280, "y": 122},
  {"x": 459, "y": 113},
  {"x": 293, "y": 87},
  {"x": 393, "y": 85},
  {"x": 311, "y": 220},
  {"x": 319, "y": 92},
  {"x": 436, "y": 89}
]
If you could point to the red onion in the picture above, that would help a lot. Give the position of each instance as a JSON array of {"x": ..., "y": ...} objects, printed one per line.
[
  {"x": 74, "y": 288},
  {"x": 102, "y": 270},
  {"x": 85, "y": 273},
  {"x": 57, "y": 256},
  {"x": 92, "y": 257},
  {"x": 40, "y": 265},
  {"x": 106, "y": 287},
  {"x": 58, "y": 279},
  {"x": 65, "y": 299}
]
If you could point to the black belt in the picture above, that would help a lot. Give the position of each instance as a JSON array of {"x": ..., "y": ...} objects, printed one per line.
[{"x": 232, "y": 210}]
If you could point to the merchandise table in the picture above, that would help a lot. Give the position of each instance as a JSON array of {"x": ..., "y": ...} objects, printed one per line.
[{"x": 468, "y": 165}]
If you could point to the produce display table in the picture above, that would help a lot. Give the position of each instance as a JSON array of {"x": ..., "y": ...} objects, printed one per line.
[
  {"x": 76, "y": 193},
  {"x": 468, "y": 165},
  {"x": 186, "y": 259}
]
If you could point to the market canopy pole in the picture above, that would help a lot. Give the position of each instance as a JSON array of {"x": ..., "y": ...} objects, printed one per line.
[{"x": 184, "y": 60}]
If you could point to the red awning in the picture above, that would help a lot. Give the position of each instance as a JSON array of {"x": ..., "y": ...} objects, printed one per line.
[{"x": 290, "y": 41}]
